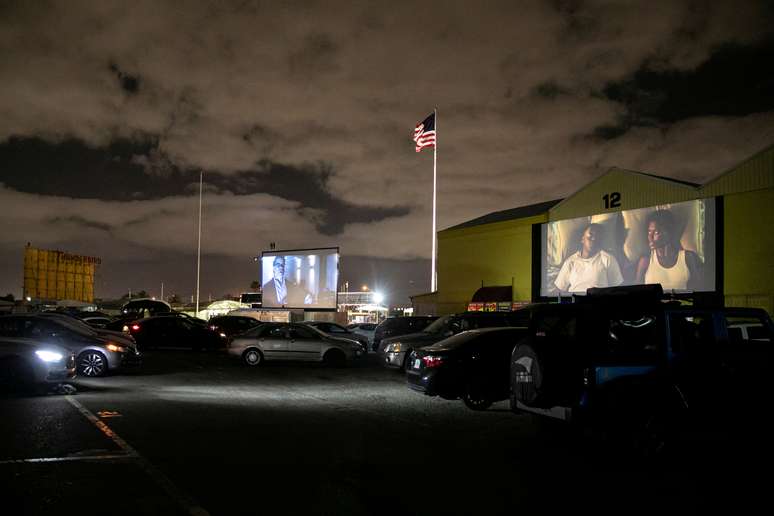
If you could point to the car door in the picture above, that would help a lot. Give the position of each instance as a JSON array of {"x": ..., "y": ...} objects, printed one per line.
[
  {"x": 274, "y": 343},
  {"x": 305, "y": 343},
  {"x": 746, "y": 353}
]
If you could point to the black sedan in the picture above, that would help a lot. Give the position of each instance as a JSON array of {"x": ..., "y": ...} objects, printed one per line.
[
  {"x": 473, "y": 365},
  {"x": 171, "y": 331},
  {"x": 229, "y": 325}
]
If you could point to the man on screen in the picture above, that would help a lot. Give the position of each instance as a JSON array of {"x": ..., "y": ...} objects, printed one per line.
[
  {"x": 669, "y": 264},
  {"x": 589, "y": 267},
  {"x": 280, "y": 291}
]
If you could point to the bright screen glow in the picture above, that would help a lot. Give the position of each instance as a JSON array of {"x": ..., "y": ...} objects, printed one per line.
[
  {"x": 305, "y": 278},
  {"x": 671, "y": 244}
]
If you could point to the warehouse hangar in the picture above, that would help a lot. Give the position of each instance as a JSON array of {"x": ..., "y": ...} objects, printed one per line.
[{"x": 722, "y": 235}]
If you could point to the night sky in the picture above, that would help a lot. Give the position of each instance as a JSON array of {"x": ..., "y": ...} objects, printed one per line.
[{"x": 300, "y": 114}]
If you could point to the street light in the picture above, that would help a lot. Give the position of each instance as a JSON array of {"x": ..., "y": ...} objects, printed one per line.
[
  {"x": 365, "y": 288},
  {"x": 378, "y": 298}
]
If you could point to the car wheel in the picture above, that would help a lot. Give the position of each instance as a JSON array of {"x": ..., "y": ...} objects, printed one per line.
[
  {"x": 252, "y": 357},
  {"x": 334, "y": 357},
  {"x": 476, "y": 397},
  {"x": 92, "y": 364}
]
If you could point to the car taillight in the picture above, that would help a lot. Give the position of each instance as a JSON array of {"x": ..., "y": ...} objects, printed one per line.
[
  {"x": 431, "y": 361},
  {"x": 135, "y": 327}
]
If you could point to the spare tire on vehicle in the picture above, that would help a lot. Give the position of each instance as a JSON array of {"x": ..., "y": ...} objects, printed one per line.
[
  {"x": 527, "y": 375},
  {"x": 545, "y": 373}
]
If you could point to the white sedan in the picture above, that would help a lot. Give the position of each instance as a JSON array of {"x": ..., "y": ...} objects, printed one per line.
[{"x": 290, "y": 341}]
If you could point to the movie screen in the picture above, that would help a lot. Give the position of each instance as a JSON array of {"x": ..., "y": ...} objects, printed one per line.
[
  {"x": 671, "y": 244},
  {"x": 305, "y": 278}
]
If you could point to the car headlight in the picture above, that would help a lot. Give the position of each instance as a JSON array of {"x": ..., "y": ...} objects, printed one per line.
[
  {"x": 115, "y": 348},
  {"x": 49, "y": 356}
]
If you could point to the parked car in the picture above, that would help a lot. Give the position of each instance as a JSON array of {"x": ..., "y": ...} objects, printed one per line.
[
  {"x": 122, "y": 323},
  {"x": 396, "y": 326},
  {"x": 339, "y": 331},
  {"x": 95, "y": 319},
  {"x": 229, "y": 325},
  {"x": 638, "y": 366},
  {"x": 473, "y": 365},
  {"x": 27, "y": 364},
  {"x": 121, "y": 338},
  {"x": 292, "y": 341},
  {"x": 96, "y": 353},
  {"x": 367, "y": 330},
  {"x": 172, "y": 331},
  {"x": 144, "y": 307},
  {"x": 396, "y": 350}
]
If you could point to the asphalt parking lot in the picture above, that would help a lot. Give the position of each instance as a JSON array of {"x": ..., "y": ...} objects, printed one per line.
[{"x": 197, "y": 433}]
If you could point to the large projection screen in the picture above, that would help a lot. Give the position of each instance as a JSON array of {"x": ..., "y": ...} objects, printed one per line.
[
  {"x": 670, "y": 244},
  {"x": 300, "y": 278}
]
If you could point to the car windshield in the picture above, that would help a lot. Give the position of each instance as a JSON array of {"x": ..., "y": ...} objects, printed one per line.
[
  {"x": 439, "y": 325},
  {"x": 75, "y": 325}
]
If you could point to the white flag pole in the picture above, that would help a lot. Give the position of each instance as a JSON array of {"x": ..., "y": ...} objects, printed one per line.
[
  {"x": 433, "y": 277},
  {"x": 199, "y": 244}
]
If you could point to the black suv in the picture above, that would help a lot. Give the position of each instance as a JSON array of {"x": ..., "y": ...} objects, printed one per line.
[
  {"x": 627, "y": 360},
  {"x": 394, "y": 326},
  {"x": 397, "y": 350}
]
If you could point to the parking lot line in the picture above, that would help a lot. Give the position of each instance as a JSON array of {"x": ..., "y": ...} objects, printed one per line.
[
  {"x": 183, "y": 499},
  {"x": 73, "y": 458}
]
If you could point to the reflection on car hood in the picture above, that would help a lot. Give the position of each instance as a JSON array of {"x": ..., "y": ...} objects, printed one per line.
[
  {"x": 116, "y": 336},
  {"x": 344, "y": 341}
]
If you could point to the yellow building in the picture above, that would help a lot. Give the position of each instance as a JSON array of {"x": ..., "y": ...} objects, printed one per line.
[
  {"x": 57, "y": 275},
  {"x": 503, "y": 249}
]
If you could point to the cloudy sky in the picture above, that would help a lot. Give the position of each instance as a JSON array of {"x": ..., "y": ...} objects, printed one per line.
[{"x": 300, "y": 113}]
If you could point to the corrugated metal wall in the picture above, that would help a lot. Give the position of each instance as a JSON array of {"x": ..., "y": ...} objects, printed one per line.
[
  {"x": 636, "y": 190},
  {"x": 55, "y": 275},
  {"x": 756, "y": 173}
]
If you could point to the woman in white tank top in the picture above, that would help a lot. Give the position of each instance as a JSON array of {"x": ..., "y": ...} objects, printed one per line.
[{"x": 668, "y": 263}]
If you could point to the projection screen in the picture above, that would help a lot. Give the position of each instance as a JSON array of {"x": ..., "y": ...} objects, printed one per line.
[
  {"x": 670, "y": 244},
  {"x": 300, "y": 278}
]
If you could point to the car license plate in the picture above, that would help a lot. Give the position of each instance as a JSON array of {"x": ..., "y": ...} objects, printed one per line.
[{"x": 417, "y": 363}]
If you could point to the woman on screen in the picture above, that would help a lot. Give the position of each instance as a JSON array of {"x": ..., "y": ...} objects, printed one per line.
[
  {"x": 669, "y": 264},
  {"x": 590, "y": 267}
]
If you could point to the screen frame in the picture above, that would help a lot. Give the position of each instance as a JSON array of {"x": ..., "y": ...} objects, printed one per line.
[
  {"x": 704, "y": 298},
  {"x": 276, "y": 252}
]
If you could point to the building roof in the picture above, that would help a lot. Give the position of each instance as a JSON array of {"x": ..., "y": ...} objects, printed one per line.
[{"x": 513, "y": 213}]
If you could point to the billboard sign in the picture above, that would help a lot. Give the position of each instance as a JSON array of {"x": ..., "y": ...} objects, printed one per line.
[
  {"x": 57, "y": 275},
  {"x": 300, "y": 278},
  {"x": 671, "y": 244}
]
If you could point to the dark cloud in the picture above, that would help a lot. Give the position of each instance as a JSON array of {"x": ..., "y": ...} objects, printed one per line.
[
  {"x": 79, "y": 221},
  {"x": 550, "y": 90},
  {"x": 732, "y": 83},
  {"x": 317, "y": 55},
  {"x": 129, "y": 83},
  {"x": 127, "y": 170}
]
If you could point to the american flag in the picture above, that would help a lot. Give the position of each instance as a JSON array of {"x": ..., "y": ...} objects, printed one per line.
[{"x": 424, "y": 133}]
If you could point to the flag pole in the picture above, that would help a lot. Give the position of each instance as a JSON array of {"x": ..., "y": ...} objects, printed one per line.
[
  {"x": 199, "y": 245},
  {"x": 433, "y": 277}
]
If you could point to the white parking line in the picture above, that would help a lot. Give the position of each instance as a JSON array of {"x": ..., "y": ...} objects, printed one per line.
[
  {"x": 74, "y": 458},
  {"x": 184, "y": 500}
]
